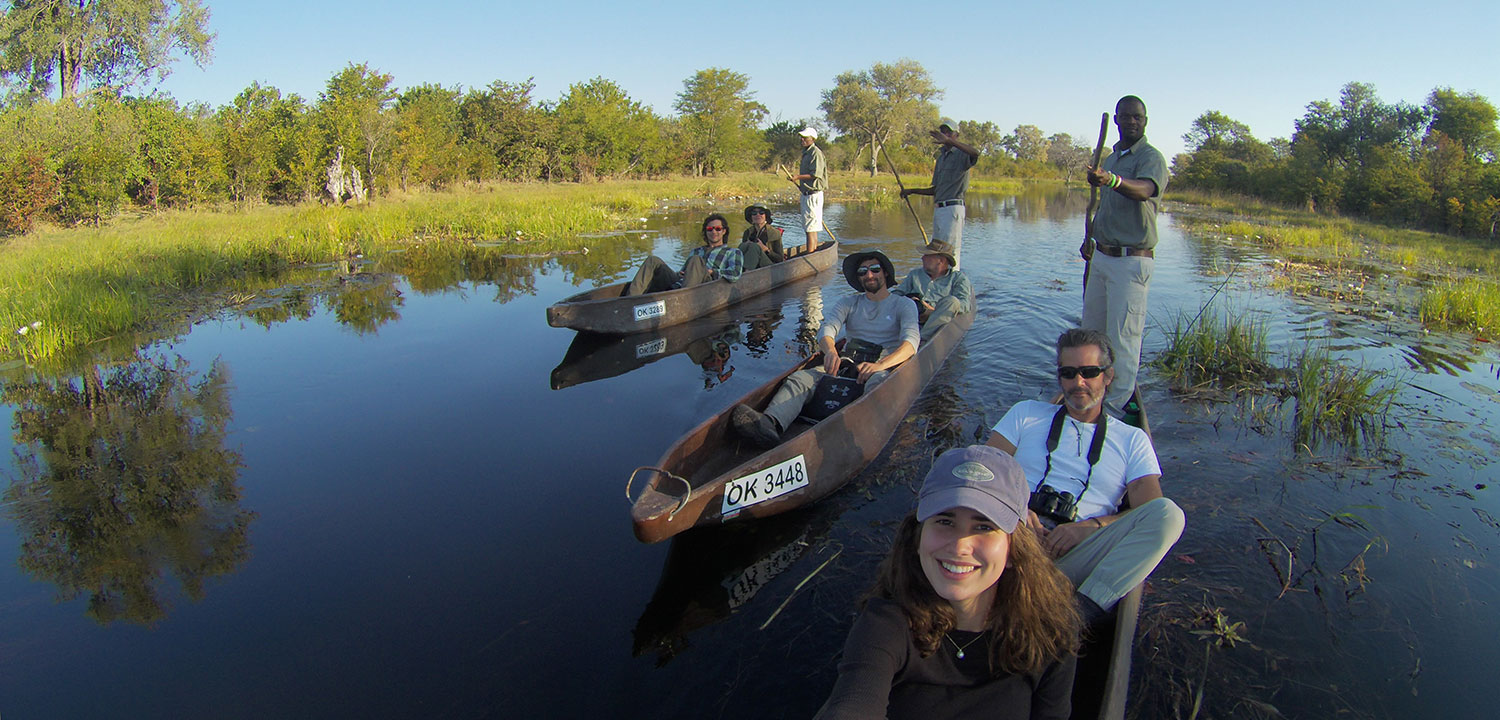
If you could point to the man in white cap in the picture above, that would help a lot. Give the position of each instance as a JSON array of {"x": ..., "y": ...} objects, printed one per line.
[
  {"x": 950, "y": 180},
  {"x": 812, "y": 180}
]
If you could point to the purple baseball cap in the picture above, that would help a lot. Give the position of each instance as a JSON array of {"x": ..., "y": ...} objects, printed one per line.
[{"x": 981, "y": 477}]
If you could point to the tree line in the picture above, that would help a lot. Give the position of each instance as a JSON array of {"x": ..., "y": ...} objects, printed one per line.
[
  {"x": 96, "y": 154},
  {"x": 1431, "y": 166}
]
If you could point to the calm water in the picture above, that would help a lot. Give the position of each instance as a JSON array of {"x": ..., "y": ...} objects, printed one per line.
[{"x": 363, "y": 497}]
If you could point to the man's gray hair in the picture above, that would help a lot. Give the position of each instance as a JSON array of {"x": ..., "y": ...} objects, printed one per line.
[{"x": 1080, "y": 337}]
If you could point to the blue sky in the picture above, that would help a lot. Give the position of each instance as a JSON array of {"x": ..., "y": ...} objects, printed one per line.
[{"x": 1054, "y": 65}]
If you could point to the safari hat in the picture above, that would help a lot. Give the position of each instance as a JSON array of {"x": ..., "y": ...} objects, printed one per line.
[
  {"x": 753, "y": 208},
  {"x": 940, "y": 247},
  {"x": 981, "y": 477},
  {"x": 852, "y": 263}
]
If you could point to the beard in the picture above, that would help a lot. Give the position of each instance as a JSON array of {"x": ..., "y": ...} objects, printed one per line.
[
  {"x": 872, "y": 283},
  {"x": 1081, "y": 399}
]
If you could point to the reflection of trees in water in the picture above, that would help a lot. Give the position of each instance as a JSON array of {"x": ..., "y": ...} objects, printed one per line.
[
  {"x": 366, "y": 302},
  {"x": 123, "y": 478},
  {"x": 296, "y": 304},
  {"x": 1035, "y": 204}
]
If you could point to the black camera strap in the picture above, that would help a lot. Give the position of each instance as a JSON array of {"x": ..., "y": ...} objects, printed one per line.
[{"x": 1096, "y": 446}]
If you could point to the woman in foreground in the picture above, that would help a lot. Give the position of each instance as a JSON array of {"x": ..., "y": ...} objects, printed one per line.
[{"x": 969, "y": 618}]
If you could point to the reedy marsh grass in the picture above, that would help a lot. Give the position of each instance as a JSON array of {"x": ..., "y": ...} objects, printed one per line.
[
  {"x": 1228, "y": 354},
  {"x": 1224, "y": 351},
  {"x": 1463, "y": 302}
]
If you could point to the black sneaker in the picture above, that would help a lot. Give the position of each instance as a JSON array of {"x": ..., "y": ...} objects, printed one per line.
[{"x": 755, "y": 426}]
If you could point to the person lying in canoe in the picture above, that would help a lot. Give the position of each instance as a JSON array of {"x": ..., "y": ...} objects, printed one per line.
[
  {"x": 707, "y": 262},
  {"x": 969, "y": 617},
  {"x": 940, "y": 291},
  {"x": 875, "y": 315},
  {"x": 1080, "y": 463},
  {"x": 761, "y": 243}
]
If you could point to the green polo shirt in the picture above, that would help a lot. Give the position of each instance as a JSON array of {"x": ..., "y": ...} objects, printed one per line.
[
  {"x": 813, "y": 164},
  {"x": 950, "y": 177},
  {"x": 1120, "y": 220}
]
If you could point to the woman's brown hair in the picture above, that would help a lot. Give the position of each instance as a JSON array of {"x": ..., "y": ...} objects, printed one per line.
[{"x": 1032, "y": 622}]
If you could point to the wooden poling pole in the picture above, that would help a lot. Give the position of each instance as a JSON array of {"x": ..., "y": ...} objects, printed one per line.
[
  {"x": 892, "y": 165},
  {"x": 1088, "y": 214}
]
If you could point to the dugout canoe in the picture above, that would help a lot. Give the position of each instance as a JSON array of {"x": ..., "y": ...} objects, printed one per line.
[
  {"x": 606, "y": 310},
  {"x": 1102, "y": 682},
  {"x": 706, "y": 477}
]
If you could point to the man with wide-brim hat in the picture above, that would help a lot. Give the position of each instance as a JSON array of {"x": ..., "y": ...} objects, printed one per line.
[
  {"x": 950, "y": 181},
  {"x": 940, "y": 291},
  {"x": 761, "y": 243},
  {"x": 874, "y": 315}
]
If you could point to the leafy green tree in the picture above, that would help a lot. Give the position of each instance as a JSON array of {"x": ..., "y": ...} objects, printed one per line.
[
  {"x": 352, "y": 112},
  {"x": 123, "y": 477},
  {"x": 504, "y": 134},
  {"x": 601, "y": 132},
  {"x": 879, "y": 104},
  {"x": 783, "y": 145},
  {"x": 106, "y": 43},
  {"x": 248, "y": 142},
  {"x": 983, "y": 136},
  {"x": 1067, "y": 155},
  {"x": 1468, "y": 119},
  {"x": 180, "y": 162},
  {"x": 1347, "y": 132},
  {"x": 427, "y": 143},
  {"x": 719, "y": 118},
  {"x": 1388, "y": 186},
  {"x": 27, "y": 188},
  {"x": 1027, "y": 143}
]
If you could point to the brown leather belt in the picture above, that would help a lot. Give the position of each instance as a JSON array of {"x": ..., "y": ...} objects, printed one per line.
[{"x": 1119, "y": 251}]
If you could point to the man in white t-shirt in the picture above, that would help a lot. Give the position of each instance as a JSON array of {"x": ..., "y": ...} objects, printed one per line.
[{"x": 1081, "y": 463}]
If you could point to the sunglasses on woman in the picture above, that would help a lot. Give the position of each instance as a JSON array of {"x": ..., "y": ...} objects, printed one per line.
[{"x": 1089, "y": 372}]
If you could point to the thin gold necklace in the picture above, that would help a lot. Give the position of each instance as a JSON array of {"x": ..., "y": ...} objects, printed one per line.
[{"x": 961, "y": 648}]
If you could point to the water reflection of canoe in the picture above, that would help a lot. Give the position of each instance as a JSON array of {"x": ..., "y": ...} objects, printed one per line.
[
  {"x": 1103, "y": 679},
  {"x": 605, "y": 310},
  {"x": 596, "y": 356},
  {"x": 713, "y": 573},
  {"x": 710, "y": 476}
]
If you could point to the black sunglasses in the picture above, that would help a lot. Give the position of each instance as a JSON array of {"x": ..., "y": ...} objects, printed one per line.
[
  {"x": 866, "y": 270},
  {"x": 1089, "y": 372}
]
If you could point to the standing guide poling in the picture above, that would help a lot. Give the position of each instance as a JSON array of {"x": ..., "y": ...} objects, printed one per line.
[
  {"x": 950, "y": 181},
  {"x": 1121, "y": 253},
  {"x": 811, "y": 180}
]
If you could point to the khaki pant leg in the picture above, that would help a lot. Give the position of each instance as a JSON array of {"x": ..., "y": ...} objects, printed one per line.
[{"x": 1107, "y": 564}]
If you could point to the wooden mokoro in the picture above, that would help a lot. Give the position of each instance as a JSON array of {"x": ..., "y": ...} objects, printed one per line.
[
  {"x": 1103, "y": 678},
  {"x": 686, "y": 488},
  {"x": 605, "y": 310}
]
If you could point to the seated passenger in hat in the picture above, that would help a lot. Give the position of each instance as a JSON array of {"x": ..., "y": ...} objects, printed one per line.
[
  {"x": 710, "y": 261},
  {"x": 940, "y": 291},
  {"x": 761, "y": 243},
  {"x": 873, "y": 316}
]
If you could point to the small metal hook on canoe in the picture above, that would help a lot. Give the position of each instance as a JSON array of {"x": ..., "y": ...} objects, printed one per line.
[{"x": 680, "y": 503}]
